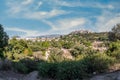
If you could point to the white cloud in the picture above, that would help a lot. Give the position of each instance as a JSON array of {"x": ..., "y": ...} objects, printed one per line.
[
  {"x": 66, "y": 24},
  {"x": 27, "y": 32},
  {"x": 44, "y": 14},
  {"x": 30, "y": 9},
  {"x": 38, "y": 5},
  {"x": 106, "y": 21},
  {"x": 26, "y": 2},
  {"x": 16, "y": 7},
  {"x": 81, "y": 4}
]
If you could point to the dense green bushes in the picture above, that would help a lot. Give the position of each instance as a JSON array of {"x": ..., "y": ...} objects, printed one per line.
[
  {"x": 48, "y": 69},
  {"x": 114, "y": 50},
  {"x": 68, "y": 70},
  {"x": 25, "y": 65},
  {"x": 55, "y": 55},
  {"x": 20, "y": 67},
  {"x": 72, "y": 70},
  {"x": 97, "y": 62}
]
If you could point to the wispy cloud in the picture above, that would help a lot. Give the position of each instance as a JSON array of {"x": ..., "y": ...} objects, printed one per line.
[
  {"x": 81, "y": 4},
  {"x": 27, "y": 32},
  {"x": 44, "y": 14},
  {"x": 66, "y": 24},
  {"x": 38, "y": 5},
  {"x": 30, "y": 9},
  {"x": 64, "y": 15},
  {"x": 26, "y": 2},
  {"x": 106, "y": 21}
]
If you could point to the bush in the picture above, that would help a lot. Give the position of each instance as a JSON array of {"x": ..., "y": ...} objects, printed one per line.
[
  {"x": 56, "y": 55},
  {"x": 115, "y": 54},
  {"x": 114, "y": 49},
  {"x": 30, "y": 64},
  {"x": 73, "y": 70},
  {"x": 20, "y": 67},
  {"x": 67, "y": 70},
  {"x": 48, "y": 69},
  {"x": 78, "y": 50},
  {"x": 76, "y": 70},
  {"x": 97, "y": 62}
]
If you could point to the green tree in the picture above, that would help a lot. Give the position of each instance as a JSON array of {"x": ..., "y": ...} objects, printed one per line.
[
  {"x": 115, "y": 33},
  {"x": 3, "y": 40}
]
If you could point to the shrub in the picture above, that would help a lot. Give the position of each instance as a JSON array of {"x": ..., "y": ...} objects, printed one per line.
[
  {"x": 55, "y": 55},
  {"x": 114, "y": 49},
  {"x": 47, "y": 69},
  {"x": 8, "y": 55},
  {"x": 30, "y": 64},
  {"x": 72, "y": 70},
  {"x": 20, "y": 67},
  {"x": 67, "y": 70},
  {"x": 78, "y": 50},
  {"x": 97, "y": 62},
  {"x": 76, "y": 70}
]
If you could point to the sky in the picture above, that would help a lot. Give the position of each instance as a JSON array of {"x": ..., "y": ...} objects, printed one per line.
[{"x": 44, "y": 17}]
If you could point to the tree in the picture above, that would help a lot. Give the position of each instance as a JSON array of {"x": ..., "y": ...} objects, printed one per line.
[
  {"x": 3, "y": 40},
  {"x": 115, "y": 33}
]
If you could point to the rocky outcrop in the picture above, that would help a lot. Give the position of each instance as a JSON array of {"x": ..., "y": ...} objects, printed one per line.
[
  {"x": 109, "y": 76},
  {"x": 9, "y": 75},
  {"x": 32, "y": 76}
]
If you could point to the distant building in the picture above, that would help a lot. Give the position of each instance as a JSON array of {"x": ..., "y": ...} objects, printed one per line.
[
  {"x": 80, "y": 31},
  {"x": 37, "y": 39}
]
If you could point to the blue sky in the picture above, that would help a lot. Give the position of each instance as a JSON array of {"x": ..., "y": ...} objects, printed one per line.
[{"x": 41, "y": 17}]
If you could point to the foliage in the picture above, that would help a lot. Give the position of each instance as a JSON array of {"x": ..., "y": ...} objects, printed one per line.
[
  {"x": 30, "y": 64},
  {"x": 62, "y": 71},
  {"x": 97, "y": 62},
  {"x": 115, "y": 33},
  {"x": 3, "y": 40},
  {"x": 114, "y": 49},
  {"x": 67, "y": 44},
  {"x": 81, "y": 49},
  {"x": 77, "y": 51},
  {"x": 25, "y": 65},
  {"x": 48, "y": 69},
  {"x": 55, "y": 55},
  {"x": 20, "y": 67},
  {"x": 56, "y": 44},
  {"x": 71, "y": 70},
  {"x": 17, "y": 49}
]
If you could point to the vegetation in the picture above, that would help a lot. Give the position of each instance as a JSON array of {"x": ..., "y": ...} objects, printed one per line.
[
  {"x": 71, "y": 57},
  {"x": 115, "y": 33},
  {"x": 3, "y": 40}
]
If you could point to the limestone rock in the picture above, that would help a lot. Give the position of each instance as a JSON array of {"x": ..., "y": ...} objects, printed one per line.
[
  {"x": 109, "y": 76},
  {"x": 32, "y": 76}
]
